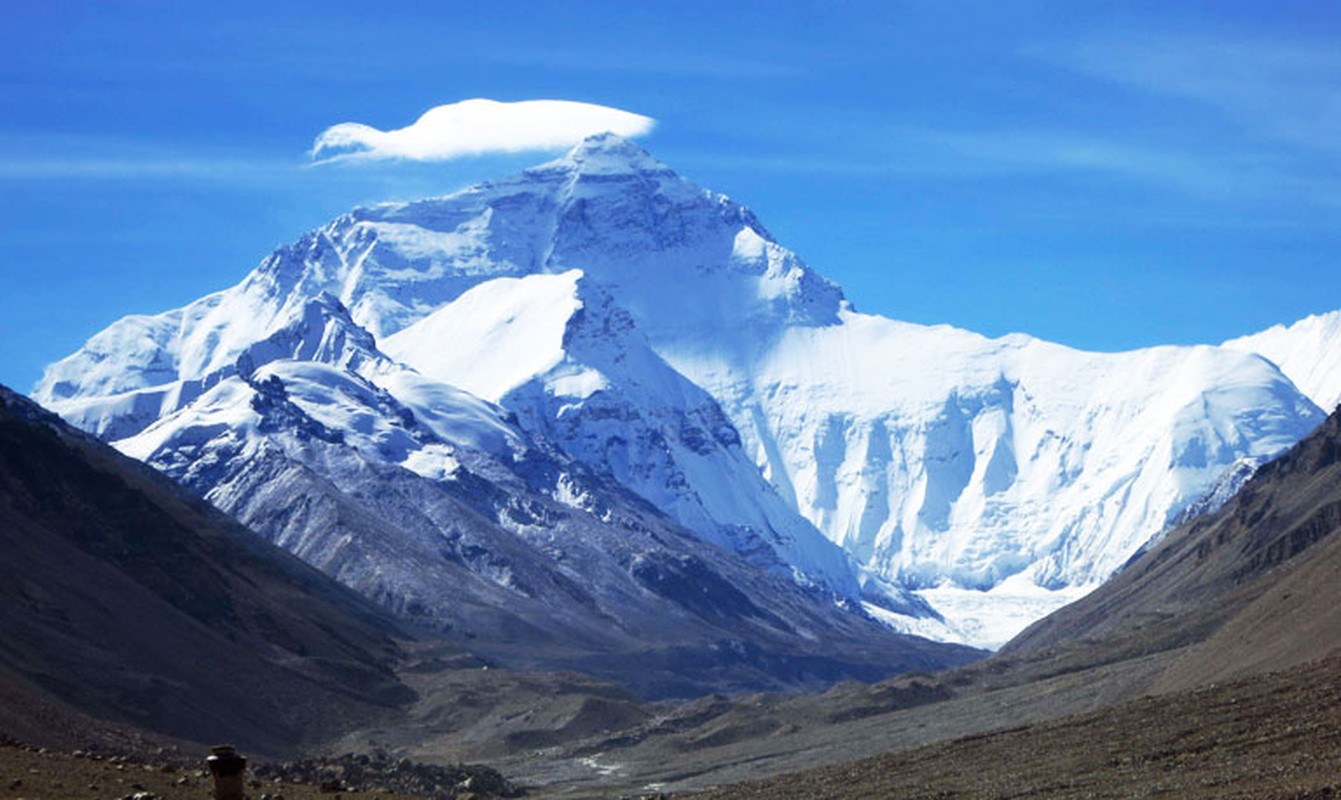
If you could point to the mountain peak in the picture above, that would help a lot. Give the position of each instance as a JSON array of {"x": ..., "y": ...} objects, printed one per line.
[
  {"x": 319, "y": 330},
  {"x": 606, "y": 154}
]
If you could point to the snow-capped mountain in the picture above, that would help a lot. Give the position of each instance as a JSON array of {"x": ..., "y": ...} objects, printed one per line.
[
  {"x": 391, "y": 271},
  {"x": 1308, "y": 351},
  {"x": 948, "y": 462},
  {"x": 439, "y": 506},
  {"x": 572, "y": 365},
  {"x": 658, "y": 333}
]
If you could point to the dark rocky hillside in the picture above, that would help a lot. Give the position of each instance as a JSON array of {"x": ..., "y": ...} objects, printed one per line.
[{"x": 126, "y": 600}]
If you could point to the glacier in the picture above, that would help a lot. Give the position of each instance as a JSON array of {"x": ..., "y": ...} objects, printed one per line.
[
  {"x": 958, "y": 486},
  {"x": 1307, "y": 351}
]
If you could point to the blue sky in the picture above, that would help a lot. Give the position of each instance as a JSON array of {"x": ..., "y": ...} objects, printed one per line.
[{"x": 1106, "y": 175}]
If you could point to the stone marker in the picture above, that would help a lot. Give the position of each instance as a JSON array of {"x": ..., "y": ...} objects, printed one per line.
[{"x": 228, "y": 768}]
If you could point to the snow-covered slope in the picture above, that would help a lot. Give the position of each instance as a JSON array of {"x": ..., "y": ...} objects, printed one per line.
[
  {"x": 997, "y": 478},
  {"x": 1309, "y": 352},
  {"x": 572, "y": 365},
  {"x": 945, "y": 462},
  {"x": 697, "y": 271}
]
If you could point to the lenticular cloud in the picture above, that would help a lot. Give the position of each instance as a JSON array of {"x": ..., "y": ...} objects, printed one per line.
[{"x": 476, "y": 127}]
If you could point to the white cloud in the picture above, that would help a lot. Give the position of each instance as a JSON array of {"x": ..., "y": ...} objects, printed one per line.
[{"x": 476, "y": 127}]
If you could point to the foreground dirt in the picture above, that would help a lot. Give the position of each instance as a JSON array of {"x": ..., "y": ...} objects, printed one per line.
[
  {"x": 32, "y": 773},
  {"x": 1272, "y": 736},
  {"x": 1275, "y": 736}
]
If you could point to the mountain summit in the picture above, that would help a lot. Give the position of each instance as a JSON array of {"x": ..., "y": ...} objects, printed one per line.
[
  {"x": 606, "y": 154},
  {"x": 969, "y": 485},
  {"x": 1308, "y": 351}
]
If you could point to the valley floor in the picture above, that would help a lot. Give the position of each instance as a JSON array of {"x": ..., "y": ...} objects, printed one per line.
[{"x": 1270, "y": 736}]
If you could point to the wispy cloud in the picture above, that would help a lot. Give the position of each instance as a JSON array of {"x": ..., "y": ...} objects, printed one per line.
[
  {"x": 94, "y": 156},
  {"x": 1246, "y": 178},
  {"x": 1288, "y": 91},
  {"x": 1063, "y": 153},
  {"x": 477, "y": 127},
  {"x": 954, "y": 154},
  {"x": 136, "y": 167}
]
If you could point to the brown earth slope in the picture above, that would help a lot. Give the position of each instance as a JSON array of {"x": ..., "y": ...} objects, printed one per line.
[{"x": 1269, "y": 736}]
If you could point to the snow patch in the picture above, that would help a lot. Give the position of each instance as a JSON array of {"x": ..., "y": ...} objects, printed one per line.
[
  {"x": 986, "y": 619},
  {"x": 522, "y": 320}
]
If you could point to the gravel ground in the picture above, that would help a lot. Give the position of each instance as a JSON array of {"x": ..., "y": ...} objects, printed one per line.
[
  {"x": 1276, "y": 736},
  {"x": 32, "y": 773}
]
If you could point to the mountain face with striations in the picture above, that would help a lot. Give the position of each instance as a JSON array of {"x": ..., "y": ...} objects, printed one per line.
[{"x": 599, "y": 325}]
